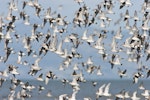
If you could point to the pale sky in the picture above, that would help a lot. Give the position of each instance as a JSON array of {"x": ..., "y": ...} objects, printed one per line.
[{"x": 52, "y": 61}]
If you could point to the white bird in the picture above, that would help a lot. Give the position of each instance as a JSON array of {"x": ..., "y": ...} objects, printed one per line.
[
  {"x": 136, "y": 77},
  {"x": 53, "y": 42},
  {"x": 141, "y": 86},
  {"x": 87, "y": 98},
  {"x": 146, "y": 94},
  {"x": 117, "y": 60},
  {"x": 61, "y": 67},
  {"x": 127, "y": 43},
  {"x": 4, "y": 73},
  {"x": 102, "y": 51},
  {"x": 36, "y": 64},
  {"x": 135, "y": 17},
  {"x": 20, "y": 54},
  {"x": 84, "y": 37},
  {"x": 49, "y": 94},
  {"x": 13, "y": 70},
  {"x": 8, "y": 36},
  {"x": 106, "y": 90},
  {"x": 2, "y": 24},
  {"x": 99, "y": 45},
  {"x": 26, "y": 21},
  {"x": 102, "y": 24},
  {"x": 41, "y": 88},
  {"x": 13, "y": 5},
  {"x": 40, "y": 77},
  {"x": 128, "y": 3},
  {"x": 79, "y": 1},
  {"x": 74, "y": 82},
  {"x": 89, "y": 61},
  {"x": 145, "y": 25},
  {"x": 66, "y": 40},
  {"x": 122, "y": 73},
  {"x": 47, "y": 13},
  {"x": 134, "y": 96},
  {"x": 114, "y": 45},
  {"x": 59, "y": 50},
  {"x": 73, "y": 96},
  {"x": 118, "y": 34},
  {"x": 134, "y": 28},
  {"x": 11, "y": 96},
  {"x": 100, "y": 91},
  {"x": 99, "y": 71},
  {"x": 102, "y": 15},
  {"x": 35, "y": 67},
  {"x": 90, "y": 39},
  {"x": 110, "y": 11},
  {"x": 128, "y": 27},
  {"x": 60, "y": 21},
  {"x": 63, "y": 97},
  {"x": 75, "y": 67},
  {"x": 120, "y": 95},
  {"x": 126, "y": 16},
  {"x": 9, "y": 15},
  {"x": 126, "y": 95}
]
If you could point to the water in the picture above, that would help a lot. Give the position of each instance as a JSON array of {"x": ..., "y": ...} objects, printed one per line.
[{"x": 86, "y": 89}]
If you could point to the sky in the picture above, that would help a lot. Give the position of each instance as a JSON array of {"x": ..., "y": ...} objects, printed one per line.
[{"x": 52, "y": 61}]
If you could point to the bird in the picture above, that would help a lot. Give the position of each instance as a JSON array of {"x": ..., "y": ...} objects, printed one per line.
[
  {"x": 114, "y": 45},
  {"x": 26, "y": 21},
  {"x": 148, "y": 73},
  {"x": 122, "y": 4},
  {"x": 11, "y": 96},
  {"x": 115, "y": 60},
  {"x": 59, "y": 50},
  {"x": 134, "y": 96},
  {"x": 99, "y": 92},
  {"x": 39, "y": 78},
  {"x": 89, "y": 61},
  {"x": 2, "y": 80},
  {"x": 8, "y": 36},
  {"x": 94, "y": 83},
  {"x": 99, "y": 71},
  {"x": 122, "y": 73},
  {"x": 118, "y": 34},
  {"x": 141, "y": 86},
  {"x": 40, "y": 88},
  {"x": 49, "y": 75},
  {"x": 4, "y": 73},
  {"x": 73, "y": 96},
  {"x": 120, "y": 95},
  {"x": 136, "y": 77},
  {"x": 49, "y": 94},
  {"x": 126, "y": 16},
  {"x": 83, "y": 40},
  {"x": 8, "y": 52},
  {"x": 106, "y": 90},
  {"x": 64, "y": 81},
  {"x": 79, "y": 1},
  {"x": 145, "y": 94},
  {"x": 20, "y": 54},
  {"x": 74, "y": 82},
  {"x": 13, "y": 70},
  {"x": 125, "y": 3},
  {"x": 135, "y": 17},
  {"x": 87, "y": 98},
  {"x": 59, "y": 20},
  {"x": 84, "y": 37},
  {"x": 63, "y": 96}
]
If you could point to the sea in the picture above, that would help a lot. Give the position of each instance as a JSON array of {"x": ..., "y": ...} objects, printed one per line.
[{"x": 87, "y": 90}]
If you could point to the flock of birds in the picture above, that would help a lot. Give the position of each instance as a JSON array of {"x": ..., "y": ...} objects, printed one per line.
[{"x": 60, "y": 40}]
